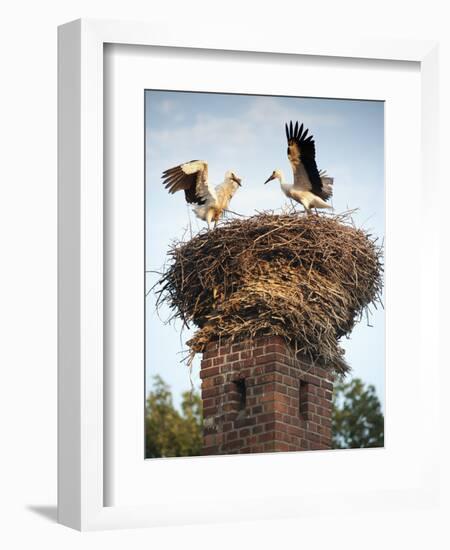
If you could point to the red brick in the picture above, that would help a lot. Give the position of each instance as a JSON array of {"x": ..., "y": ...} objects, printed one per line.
[
  {"x": 209, "y": 354},
  {"x": 282, "y": 446},
  {"x": 223, "y": 350},
  {"x": 209, "y": 403},
  {"x": 269, "y": 407},
  {"x": 211, "y": 371},
  {"x": 275, "y": 347},
  {"x": 290, "y": 419},
  {"x": 243, "y": 364},
  {"x": 281, "y": 388},
  {"x": 244, "y": 421},
  {"x": 267, "y": 397},
  {"x": 234, "y": 445},
  {"x": 321, "y": 373},
  {"x": 290, "y": 381},
  {"x": 259, "y": 343},
  {"x": 238, "y": 347},
  {"x": 279, "y": 427},
  {"x": 208, "y": 412},
  {"x": 210, "y": 392},
  {"x": 209, "y": 440},
  {"x": 266, "y": 436},
  {"x": 267, "y": 357},
  {"x": 312, "y": 379},
  {"x": 231, "y": 406},
  {"x": 262, "y": 418},
  {"x": 295, "y": 430},
  {"x": 282, "y": 398},
  {"x": 326, "y": 422},
  {"x": 267, "y": 378}
]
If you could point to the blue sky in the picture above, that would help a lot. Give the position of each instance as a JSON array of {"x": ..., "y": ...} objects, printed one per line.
[{"x": 246, "y": 134}]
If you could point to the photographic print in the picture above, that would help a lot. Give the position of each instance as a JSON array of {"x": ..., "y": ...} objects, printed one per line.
[{"x": 264, "y": 319}]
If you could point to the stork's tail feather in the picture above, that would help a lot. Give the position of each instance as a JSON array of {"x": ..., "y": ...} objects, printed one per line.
[
  {"x": 201, "y": 211},
  {"x": 327, "y": 187}
]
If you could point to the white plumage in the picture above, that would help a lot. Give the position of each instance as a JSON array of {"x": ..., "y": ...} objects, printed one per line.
[{"x": 192, "y": 177}]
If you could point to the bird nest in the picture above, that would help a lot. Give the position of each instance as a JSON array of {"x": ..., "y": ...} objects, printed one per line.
[{"x": 306, "y": 278}]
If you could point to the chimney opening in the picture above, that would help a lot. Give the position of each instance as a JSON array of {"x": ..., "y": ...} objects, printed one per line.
[
  {"x": 303, "y": 399},
  {"x": 241, "y": 388}
]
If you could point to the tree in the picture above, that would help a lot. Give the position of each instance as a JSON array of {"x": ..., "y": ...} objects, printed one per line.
[
  {"x": 169, "y": 432},
  {"x": 357, "y": 418}
]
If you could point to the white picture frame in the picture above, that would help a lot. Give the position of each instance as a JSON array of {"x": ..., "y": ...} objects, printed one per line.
[{"x": 82, "y": 483}]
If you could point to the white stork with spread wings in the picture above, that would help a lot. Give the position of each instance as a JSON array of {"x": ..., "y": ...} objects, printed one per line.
[
  {"x": 192, "y": 177},
  {"x": 311, "y": 188}
]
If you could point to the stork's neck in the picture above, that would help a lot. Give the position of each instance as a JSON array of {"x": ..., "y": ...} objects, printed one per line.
[
  {"x": 280, "y": 177},
  {"x": 285, "y": 186}
]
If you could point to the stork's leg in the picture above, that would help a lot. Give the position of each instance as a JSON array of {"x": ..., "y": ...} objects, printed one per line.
[
  {"x": 209, "y": 216},
  {"x": 305, "y": 205}
]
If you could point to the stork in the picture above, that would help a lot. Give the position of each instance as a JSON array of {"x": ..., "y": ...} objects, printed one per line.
[
  {"x": 192, "y": 177},
  {"x": 311, "y": 188}
]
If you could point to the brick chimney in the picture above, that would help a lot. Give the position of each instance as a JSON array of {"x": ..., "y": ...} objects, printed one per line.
[{"x": 258, "y": 397}]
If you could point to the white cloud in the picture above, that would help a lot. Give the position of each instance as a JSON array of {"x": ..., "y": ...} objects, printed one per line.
[
  {"x": 167, "y": 106},
  {"x": 270, "y": 111},
  {"x": 230, "y": 134}
]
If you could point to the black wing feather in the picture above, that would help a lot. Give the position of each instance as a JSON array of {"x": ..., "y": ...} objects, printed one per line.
[{"x": 174, "y": 179}]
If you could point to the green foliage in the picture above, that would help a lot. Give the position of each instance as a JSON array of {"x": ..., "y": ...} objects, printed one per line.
[
  {"x": 167, "y": 431},
  {"x": 357, "y": 418}
]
